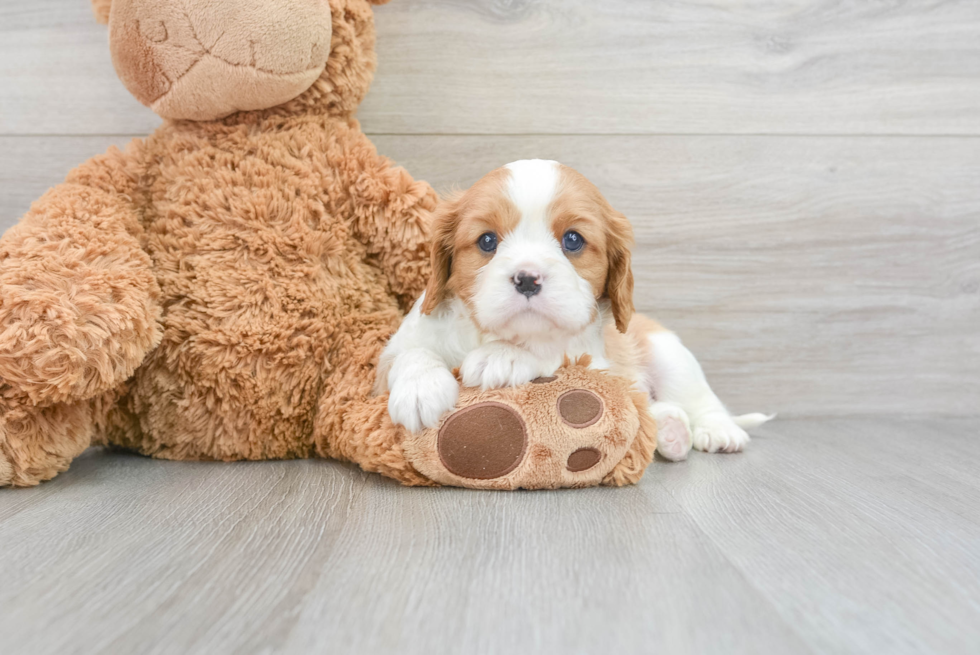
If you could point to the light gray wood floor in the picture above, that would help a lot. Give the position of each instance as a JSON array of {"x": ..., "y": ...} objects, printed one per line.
[
  {"x": 827, "y": 536},
  {"x": 804, "y": 180}
]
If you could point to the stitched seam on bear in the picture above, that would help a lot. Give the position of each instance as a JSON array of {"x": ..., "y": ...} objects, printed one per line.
[
  {"x": 206, "y": 52},
  {"x": 253, "y": 66}
]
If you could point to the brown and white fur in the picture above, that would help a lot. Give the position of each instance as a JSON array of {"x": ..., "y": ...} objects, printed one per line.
[{"x": 511, "y": 314}]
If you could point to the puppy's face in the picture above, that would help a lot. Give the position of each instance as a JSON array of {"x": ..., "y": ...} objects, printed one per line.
[{"x": 530, "y": 249}]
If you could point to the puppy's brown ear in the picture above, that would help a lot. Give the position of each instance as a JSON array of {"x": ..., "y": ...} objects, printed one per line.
[
  {"x": 444, "y": 224},
  {"x": 619, "y": 277}
]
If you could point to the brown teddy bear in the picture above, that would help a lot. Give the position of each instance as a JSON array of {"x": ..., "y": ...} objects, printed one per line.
[{"x": 221, "y": 289}]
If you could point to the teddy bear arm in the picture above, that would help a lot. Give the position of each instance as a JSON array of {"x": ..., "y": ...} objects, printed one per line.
[
  {"x": 392, "y": 212},
  {"x": 79, "y": 305}
]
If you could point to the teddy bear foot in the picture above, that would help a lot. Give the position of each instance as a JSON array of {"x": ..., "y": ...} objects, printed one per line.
[
  {"x": 569, "y": 430},
  {"x": 6, "y": 471},
  {"x": 37, "y": 443}
]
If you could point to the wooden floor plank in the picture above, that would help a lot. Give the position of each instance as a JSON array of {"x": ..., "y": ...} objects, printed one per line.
[
  {"x": 620, "y": 66},
  {"x": 841, "y": 525},
  {"x": 141, "y": 556},
  {"x": 32, "y": 165},
  {"x": 825, "y": 536},
  {"x": 575, "y": 66},
  {"x": 56, "y": 74},
  {"x": 131, "y": 552},
  {"x": 596, "y": 571}
]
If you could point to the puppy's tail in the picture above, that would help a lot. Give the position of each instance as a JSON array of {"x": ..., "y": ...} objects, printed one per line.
[{"x": 749, "y": 421}]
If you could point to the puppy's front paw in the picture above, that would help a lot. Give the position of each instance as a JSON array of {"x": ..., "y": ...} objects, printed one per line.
[
  {"x": 495, "y": 365},
  {"x": 716, "y": 432},
  {"x": 421, "y": 392}
]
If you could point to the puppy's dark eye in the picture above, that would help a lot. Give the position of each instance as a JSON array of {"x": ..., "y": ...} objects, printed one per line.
[
  {"x": 572, "y": 241},
  {"x": 487, "y": 242}
]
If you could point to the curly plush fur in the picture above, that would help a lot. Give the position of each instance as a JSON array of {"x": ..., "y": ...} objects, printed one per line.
[
  {"x": 220, "y": 290},
  {"x": 230, "y": 282}
]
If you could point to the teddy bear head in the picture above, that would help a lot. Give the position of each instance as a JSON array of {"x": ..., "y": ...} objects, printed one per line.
[{"x": 203, "y": 61}]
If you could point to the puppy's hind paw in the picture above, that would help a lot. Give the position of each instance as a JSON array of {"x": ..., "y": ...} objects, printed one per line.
[
  {"x": 718, "y": 433},
  {"x": 673, "y": 431}
]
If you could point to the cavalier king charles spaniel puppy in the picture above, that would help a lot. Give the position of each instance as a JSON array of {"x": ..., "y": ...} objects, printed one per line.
[{"x": 529, "y": 266}]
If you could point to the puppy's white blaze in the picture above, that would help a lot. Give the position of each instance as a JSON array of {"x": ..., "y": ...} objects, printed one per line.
[{"x": 532, "y": 186}]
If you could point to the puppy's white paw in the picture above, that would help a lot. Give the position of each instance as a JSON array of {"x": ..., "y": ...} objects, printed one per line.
[
  {"x": 673, "y": 431},
  {"x": 421, "y": 391},
  {"x": 497, "y": 364},
  {"x": 716, "y": 432}
]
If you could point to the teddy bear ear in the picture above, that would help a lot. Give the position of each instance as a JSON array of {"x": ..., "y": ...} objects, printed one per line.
[{"x": 101, "y": 10}]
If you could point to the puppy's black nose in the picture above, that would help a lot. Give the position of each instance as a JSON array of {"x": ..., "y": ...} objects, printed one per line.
[{"x": 527, "y": 284}]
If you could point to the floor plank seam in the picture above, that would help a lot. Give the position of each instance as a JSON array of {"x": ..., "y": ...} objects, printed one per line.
[{"x": 774, "y": 607}]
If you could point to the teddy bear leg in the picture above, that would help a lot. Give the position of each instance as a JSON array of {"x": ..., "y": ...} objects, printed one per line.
[
  {"x": 362, "y": 432},
  {"x": 37, "y": 443},
  {"x": 577, "y": 428}
]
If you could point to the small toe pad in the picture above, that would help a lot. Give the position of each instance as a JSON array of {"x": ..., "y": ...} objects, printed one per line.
[
  {"x": 579, "y": 408},
  {"x": 583, "y": 459}
]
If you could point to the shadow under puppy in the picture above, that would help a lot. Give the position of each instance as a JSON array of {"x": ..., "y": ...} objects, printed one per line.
[{"x": 532, "y": 265}]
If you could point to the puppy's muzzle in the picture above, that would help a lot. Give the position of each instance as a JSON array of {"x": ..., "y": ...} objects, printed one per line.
[{"x": 527, "y": 283}]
